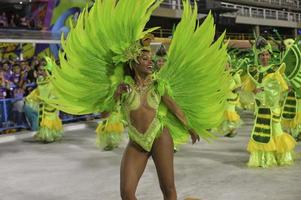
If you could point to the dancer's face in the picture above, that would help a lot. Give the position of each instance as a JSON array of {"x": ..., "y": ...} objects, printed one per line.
[
  {"x": 145, "y": 64},
  {"x": 42, "y": 72},
  {"x": 5, "y": 67},
  {"x": 264, "y": 58},
  {"x": 17, "y": 69},
  {"x": 160, "y": 62}
]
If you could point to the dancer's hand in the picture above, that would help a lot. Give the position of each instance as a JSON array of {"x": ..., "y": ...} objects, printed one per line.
[
  {"x": 122, "y": 88},
  {"x": 237, "y": 89},
  {"x": 194, "y": 136},
  {"x": 105, "y": 114},
  {"x": 258, "y": 90}
]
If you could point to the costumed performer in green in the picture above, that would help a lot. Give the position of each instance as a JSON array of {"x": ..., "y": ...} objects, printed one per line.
[
  {"x": 107, "y": 57},
  {"x": 269, "y": 145}
]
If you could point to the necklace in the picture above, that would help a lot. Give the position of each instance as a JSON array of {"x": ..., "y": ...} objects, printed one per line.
[{"x": 144, "y": 86}]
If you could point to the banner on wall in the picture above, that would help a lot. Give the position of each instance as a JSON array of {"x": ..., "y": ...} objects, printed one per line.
[
  {"x": 8, "y": 46},
  {"x": 64, "y": 10},
  {"x": 62, "y": 6},
  {"x": 14, "y": 49}
]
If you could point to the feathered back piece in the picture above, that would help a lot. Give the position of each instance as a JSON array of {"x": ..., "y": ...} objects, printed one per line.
[
  {"x": 94, "y": 52},
  {"x": 194, "y": 74}
]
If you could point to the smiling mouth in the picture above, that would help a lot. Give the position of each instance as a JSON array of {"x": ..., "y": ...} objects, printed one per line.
[{"x": 149, "y": 67}]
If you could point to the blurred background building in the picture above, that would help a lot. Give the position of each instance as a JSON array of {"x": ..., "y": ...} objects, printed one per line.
[{"x": 241, "y": 17}]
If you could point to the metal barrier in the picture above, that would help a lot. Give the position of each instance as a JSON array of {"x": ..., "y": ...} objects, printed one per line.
[
  {"x": 12, "y": 115},
  {"x": 71, "y": 118},
  {"x": 286, "y": 3},
  {"x": 264, "y": 13}
]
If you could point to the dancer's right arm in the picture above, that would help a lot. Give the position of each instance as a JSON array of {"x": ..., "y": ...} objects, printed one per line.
[{"x": 122, "y": 88}]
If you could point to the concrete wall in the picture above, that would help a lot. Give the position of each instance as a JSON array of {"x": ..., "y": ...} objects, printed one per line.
[
  {"x": 266, "y": 22},
  {"x": 170, "y": 13},
  {"x": 167, "y": 12},
  {"x": 261, "y": 4}
]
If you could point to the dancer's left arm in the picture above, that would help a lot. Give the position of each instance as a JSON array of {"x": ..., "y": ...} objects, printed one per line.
[{"x": 174, "y": 108}]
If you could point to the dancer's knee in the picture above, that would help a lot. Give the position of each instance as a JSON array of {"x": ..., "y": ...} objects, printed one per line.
[{"x": 127, "y": 193}]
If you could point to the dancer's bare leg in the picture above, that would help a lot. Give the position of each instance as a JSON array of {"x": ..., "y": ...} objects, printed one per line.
[
  {"x": 132, "y": 167},
  {"x": 162, "y": 154}
]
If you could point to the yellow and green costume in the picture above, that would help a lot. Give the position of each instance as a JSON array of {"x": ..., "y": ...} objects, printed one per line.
[
  {"x": 109, "y": 132},
  {"x": 231, "y": 118},
  {"x": 291, "y": 115},
  {"x": 50, "y": 125},
  {"x": 31, "y": 109},
  {"x": 269, "y": 145}
]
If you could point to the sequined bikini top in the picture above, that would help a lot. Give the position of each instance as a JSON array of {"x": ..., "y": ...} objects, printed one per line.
[{"x": 133, "y": 99}]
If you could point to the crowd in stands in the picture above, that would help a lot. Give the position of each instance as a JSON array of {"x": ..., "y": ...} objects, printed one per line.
[
  {"x": 17, "y": 80},
  {"x": 17, "y": 21},
  {"x": 17, "y": 76}
]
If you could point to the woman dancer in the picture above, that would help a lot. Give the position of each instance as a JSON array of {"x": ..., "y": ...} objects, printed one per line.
[
  {"x": 268, "y": 145},
  {"x": 107, "y": 57}
]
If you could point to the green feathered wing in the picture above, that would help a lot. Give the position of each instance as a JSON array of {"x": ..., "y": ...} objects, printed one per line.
[
  {"x": 292, "y": 60},
  {"x": 91, "y": 62},
  {"x": 194, "y": 75}
]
